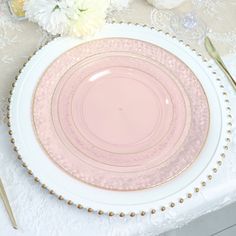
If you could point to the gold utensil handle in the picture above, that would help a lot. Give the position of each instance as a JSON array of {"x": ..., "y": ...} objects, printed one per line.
[
  {"x": 6, "y": 203},
  {"x": 227, "y": 73},
  {"x": 217, "y": 58}
]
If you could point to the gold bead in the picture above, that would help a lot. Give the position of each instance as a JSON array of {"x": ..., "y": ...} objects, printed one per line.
[
  {"x": 36, "y": 179},
  {"x": 197, "y": 190},
  {"x": 209, "y": 177},
  {"x": 122, "y": 214},
  {"x": 153, "y": 211},
  {"x": 132, "y": 214},
  {"x": 143, "y": 213},
  {"x": 43, "y": 186},
  {"x": 111, "y": 213},
  {"x": 181, "y": 200},
  {"x": 163, "y": 208},
  {"x": 90, "y": 210},
  {"x": 51, "y": 192}
]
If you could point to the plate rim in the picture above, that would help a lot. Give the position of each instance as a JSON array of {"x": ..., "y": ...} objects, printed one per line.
[{"x": 163, "y": 208}]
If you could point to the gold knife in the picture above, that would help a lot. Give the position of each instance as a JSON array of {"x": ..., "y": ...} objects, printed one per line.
[
  {"x": 6, "y": 203},
  {"x": 216, "y": 56}
]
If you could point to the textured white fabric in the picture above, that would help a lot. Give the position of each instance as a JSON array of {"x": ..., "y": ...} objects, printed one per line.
[{"x": 41, "y": 214}]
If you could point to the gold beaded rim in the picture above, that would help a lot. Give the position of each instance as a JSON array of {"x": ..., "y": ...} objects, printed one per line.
[{"x": 173, "y": 204}]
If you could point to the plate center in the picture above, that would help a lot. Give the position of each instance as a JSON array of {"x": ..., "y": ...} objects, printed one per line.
[{"x": 126, "y": 110}]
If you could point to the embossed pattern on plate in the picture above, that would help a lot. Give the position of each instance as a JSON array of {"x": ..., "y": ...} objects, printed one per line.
[{"x": 120, "y": 114}]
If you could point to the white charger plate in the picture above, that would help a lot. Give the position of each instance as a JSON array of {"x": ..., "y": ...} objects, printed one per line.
[{"x": 94, "y": 198}]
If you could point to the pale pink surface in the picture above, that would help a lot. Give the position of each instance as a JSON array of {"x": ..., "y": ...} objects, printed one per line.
[{"x": 121, "y": 114}]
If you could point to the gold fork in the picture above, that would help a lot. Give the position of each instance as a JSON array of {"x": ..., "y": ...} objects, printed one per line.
[{"x": 6, "y": 203}]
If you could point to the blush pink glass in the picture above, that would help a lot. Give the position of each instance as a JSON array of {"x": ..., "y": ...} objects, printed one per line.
[{"x": 120, "y": 114}]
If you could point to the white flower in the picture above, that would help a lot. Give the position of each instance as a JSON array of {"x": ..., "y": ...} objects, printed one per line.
[
  {"x": 76, "y": 17},
  {"x": 90, "y": 16},
  {"x": 51, "y": 15}
]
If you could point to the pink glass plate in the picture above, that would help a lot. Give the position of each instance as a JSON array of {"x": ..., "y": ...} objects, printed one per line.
[{"x": 120, "y": 114}]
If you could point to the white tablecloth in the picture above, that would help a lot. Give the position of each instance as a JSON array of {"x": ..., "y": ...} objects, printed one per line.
[{"x": 41, "y": 214}]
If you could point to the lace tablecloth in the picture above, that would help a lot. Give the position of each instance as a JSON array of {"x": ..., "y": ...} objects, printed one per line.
[{"x": 41, "y": 214}]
